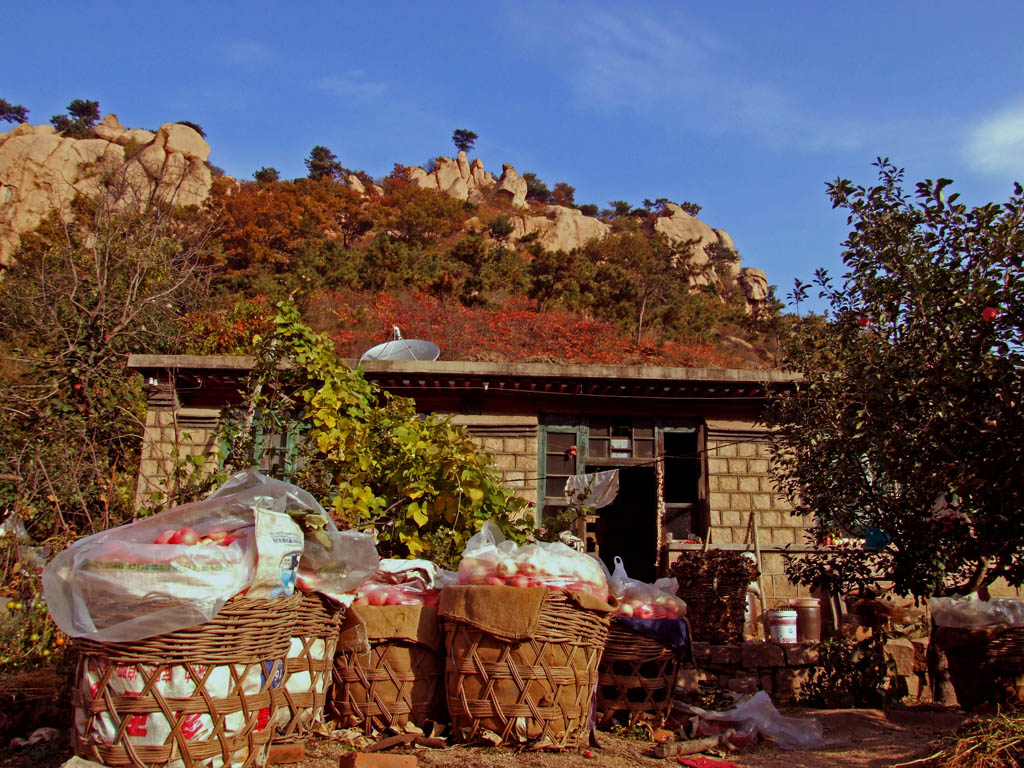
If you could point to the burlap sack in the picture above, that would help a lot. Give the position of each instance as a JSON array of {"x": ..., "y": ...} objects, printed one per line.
[
  {"x": 521, "y": 664},
  {"x": 388, "y": 667}
]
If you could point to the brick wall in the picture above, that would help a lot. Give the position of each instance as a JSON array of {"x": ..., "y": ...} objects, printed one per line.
[
  {"x": 169, "y": 437},
  {"x": 511, "y": 442},
  {"x": 739, "y": 483}
]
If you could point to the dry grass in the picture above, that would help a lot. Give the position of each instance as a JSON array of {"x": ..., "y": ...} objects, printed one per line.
[{"x": 990, "y": 742}]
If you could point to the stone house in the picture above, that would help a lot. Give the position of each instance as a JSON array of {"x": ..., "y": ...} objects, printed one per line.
[{"x": 692, "y": 456}]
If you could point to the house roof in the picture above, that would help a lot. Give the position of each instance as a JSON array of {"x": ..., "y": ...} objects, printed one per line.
[{"x": 416, "y": 378}]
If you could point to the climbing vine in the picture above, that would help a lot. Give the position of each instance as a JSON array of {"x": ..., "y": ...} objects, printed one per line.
[{"x": 418, "y": 481}]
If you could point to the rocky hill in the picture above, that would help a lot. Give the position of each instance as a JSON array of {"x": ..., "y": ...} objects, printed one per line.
[{"x": 42, "y": 171}]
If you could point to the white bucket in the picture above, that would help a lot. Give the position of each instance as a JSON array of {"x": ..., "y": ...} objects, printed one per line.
[{"x": 782, "y": 625}]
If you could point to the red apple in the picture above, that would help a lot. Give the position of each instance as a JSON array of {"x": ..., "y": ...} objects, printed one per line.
[
  {"x": 377, "y": 597},
  {"x": 864, "y": 321},
  {"x": 519, "y": 581},
  {"x": 185, "y": 536},
  {"x": 165, "y": 537},
  {"x": 988, "y": 314},
  {"x": 218, "y": 535},
  {"x": 495, "y": 581}
]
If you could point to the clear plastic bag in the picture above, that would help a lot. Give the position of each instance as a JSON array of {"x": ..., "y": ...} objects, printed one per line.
[
  {"x": 490, "y": 559},
  {"x": 121, "y": 585},
  {"x": 405, "y": 582},
  {"x": 755, "y": 717},
  {"x": 971, "y": 613},
  {"x": 640, "y": 600},
  {"x": 333, "y": 562}
]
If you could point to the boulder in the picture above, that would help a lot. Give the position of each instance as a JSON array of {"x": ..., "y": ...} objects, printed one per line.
[
  {"x": 136, "y": 136},
  {"x": 463, "y": 163},
  {"x": 512, "y": 187},
  {"x": 109, "y": 128},
  {"x": 446, "y": 171},
  {"x": 682, "y": 228},
  {"x": 356, "y": 185},
  {"x": 458, "y": 189},
  {"x": 175, "y": 137},
  {"x": 422, "y": 179},
  {"x": 481, "y": 179}
]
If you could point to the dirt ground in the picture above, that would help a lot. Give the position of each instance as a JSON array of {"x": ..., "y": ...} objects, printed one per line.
[{"x": 855, "y": 738}]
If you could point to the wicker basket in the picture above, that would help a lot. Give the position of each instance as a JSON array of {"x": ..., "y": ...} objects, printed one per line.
[
  {"x": 385, "y": 682},
  {"x": 202, "y": 696},
  {"x": 985, "y": 666},
  {"x": 636, "y": 679},
  {"x": 308, "y": 667},
  {"x": 540, "y": 689},
  {"x": 714, "y": 586}
]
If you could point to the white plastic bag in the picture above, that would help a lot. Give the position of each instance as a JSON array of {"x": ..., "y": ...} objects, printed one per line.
[
  {"x": 971, "y": 613},
  {"x": 640, "y": 600},
  {"x": 333, "y": 562},
  {"x": 757, "y": 715},
  {"x": 490, "y": 559},
  {"x": 120, "y": 585}
]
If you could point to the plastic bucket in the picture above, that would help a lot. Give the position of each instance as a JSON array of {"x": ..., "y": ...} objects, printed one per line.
[{"x": 782, "y": 625}]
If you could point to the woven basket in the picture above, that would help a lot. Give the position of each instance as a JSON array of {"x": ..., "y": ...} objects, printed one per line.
[
  {"x": 202, "y": 696},
  {"x": 537, "y": 690},
  {"x": 714, "y": 585},
  {"x": 398, "y": 681},
  {"x": 985, "y": 666},
  {"x": 636, "y": 679},
  {"x": 308, "y": 667}
]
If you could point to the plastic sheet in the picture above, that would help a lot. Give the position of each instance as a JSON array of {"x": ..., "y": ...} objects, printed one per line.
[
  {"x": 120, "y": 585},
  {"x": 756, "y": 717},
  {"x": 490, "y": 559},
  {"x": 971, "y": 613},
  {"x": 405, "y": 582},
  {"x": 640, "y": 600},
  {"x": 333, "y": 562}
]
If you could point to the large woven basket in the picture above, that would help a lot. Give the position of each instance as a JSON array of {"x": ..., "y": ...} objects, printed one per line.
[
  {"x": 986, "y": 666},
  {"x": 308, "y": 667},
  {"x": 202, "y": 696},
  {"x": 636, "y": 679},
  {"x": 713, "y": 585},
  {"x": 383, "y": 683},
  {"x": 538, "y": 690}
]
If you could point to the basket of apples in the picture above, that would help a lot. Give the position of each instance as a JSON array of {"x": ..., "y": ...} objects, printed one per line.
[
  {"x": 182, "y": 623},
  {"x": 524, "y": 630},
  {"x": 646, "y": 643},
  {"x": 389, "y": 661}
]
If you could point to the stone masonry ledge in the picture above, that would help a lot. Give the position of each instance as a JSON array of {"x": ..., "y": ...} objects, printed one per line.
[
  {"x": 756, "y": 655},
  {"x": 779, "y": 669}
]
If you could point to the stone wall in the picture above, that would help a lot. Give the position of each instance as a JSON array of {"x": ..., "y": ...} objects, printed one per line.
[
  {"x": 739, "y": 483},
  {"x": 781, "y": 669},
  {"x": 776, "y": 668},
  {"x": 512, "y": 442},
  {"x": 171, "y": 437}
]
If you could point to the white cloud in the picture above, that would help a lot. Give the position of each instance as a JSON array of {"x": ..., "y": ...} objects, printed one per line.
[
  {"x": 249, "y": 52},
  {"x": 352, "y": 84},
  {"x": 672, "y": 68},
  {"x": 996, "y": 144}
]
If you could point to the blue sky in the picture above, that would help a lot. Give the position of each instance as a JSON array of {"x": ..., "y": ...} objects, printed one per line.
[{"x": 746, "y": 108}]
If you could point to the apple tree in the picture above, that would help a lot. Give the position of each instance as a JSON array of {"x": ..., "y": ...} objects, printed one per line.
[{"x": 909, "y": 414}]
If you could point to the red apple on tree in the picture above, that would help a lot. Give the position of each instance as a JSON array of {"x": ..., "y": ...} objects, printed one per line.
[{"x": 988, "y": 314}]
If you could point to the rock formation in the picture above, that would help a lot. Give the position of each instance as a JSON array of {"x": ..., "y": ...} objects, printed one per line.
[{"x": 42, "y": 171}]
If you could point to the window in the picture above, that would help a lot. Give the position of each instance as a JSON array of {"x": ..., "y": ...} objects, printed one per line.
[
  {"x": 621, "y": 439},
  {"x": 629, "y": 526}
]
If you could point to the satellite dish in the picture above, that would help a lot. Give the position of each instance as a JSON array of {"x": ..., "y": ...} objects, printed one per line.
[{"x": 402, "y": 349}]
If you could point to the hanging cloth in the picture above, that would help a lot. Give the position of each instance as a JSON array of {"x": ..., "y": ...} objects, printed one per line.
[{"x": 598, "y": 489}]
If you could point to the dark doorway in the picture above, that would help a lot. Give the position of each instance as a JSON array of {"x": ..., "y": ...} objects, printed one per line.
[{"x": 627, "y": 527}]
